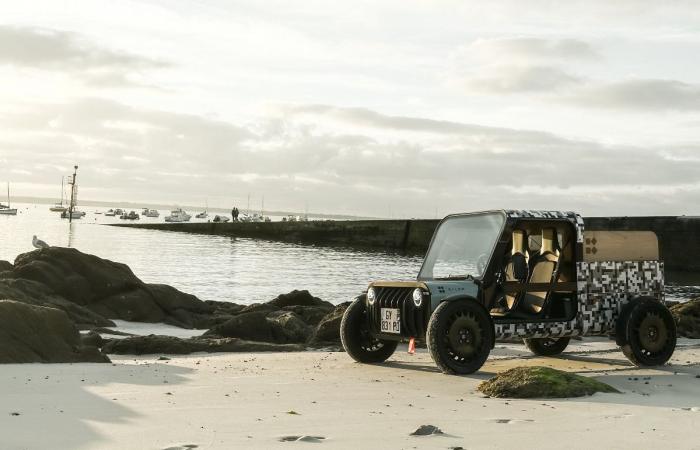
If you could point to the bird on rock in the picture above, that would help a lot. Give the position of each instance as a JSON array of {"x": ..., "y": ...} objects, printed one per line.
[{"x": 38, "y": 243}]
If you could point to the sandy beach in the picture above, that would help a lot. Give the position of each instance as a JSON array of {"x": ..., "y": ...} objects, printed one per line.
[{"x": 224, "y": 401}]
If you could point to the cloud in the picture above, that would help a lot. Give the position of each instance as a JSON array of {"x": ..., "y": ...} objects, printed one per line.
[
  {"x": 344, "y": 160},
  {"x": 533, "y": 49},
  {"x": 49, "y": 49},
  {"x": 641, "y": 95},
  {"x": 517, "y": 65},
  {"x": 514, "y": 79}
]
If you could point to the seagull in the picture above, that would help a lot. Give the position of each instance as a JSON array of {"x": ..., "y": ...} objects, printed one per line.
[{"x": 38, "y": 243}]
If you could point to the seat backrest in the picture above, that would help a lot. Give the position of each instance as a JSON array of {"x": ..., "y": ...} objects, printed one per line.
[
  {"x": 544, "y": 270},
  {"x": 516, "y": 269}
]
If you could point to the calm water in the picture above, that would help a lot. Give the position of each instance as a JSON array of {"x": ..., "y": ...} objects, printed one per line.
[
  {"x": 210, "y": 267},
  {"x": 222, "y": 268}
]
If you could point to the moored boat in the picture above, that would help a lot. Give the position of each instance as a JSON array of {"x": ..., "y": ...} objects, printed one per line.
[
  {"x": 178, "y": 215},
  {"x": 7, "y": 210}
]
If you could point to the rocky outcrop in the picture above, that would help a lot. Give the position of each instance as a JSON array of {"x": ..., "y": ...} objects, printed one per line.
[
  {"x": 35, "y": 293},
  {"x": 91, "y": 291},
  {"x": 5, "y": 266},
  {"x": 687, "y": 317},
  {"x": 155, "y": 344},
  {"x": 541, "y": 382},
  {"x": 109, "y": 289},
  {"x": 328, "y": 330},
  {"x": 30, "y": 334},
  {"x": 290, "y": 318}
]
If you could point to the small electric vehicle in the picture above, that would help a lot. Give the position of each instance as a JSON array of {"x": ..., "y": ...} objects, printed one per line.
[{"x": 531, "y": 275}]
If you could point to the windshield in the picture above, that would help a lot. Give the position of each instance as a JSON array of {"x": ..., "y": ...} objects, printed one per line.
[{"x": 462, "y": 247}]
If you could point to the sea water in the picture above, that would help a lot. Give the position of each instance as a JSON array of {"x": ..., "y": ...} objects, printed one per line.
[{"x": 222, "y": 268}]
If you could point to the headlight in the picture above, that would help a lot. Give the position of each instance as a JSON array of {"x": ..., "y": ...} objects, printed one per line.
[
  {"x": 417, "y": 297},
  {"x": 371, "y": 296}
]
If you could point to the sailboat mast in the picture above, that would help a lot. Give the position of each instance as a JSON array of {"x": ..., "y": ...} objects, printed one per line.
[
  {"x": 72, "y": 195},
  {"x": 8, "y": 195}
]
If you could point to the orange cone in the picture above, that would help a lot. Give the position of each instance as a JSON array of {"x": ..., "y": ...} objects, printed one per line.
[{"x": 412, "y": 346}]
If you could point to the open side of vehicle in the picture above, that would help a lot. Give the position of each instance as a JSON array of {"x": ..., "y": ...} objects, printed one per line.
[{"x": 533, "y": 275}]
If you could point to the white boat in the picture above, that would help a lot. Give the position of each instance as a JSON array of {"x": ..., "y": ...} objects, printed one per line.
[
  {"x": 60, "y": 207},
  {"x": 220, "y": 219},
  {"x": 151, "y": 213},
  {"x": 204, "y": 214},
  {"x": 178, "y": 215},
  {"x": 110, "y": 213},
  {"x": 7, "y": 210},
  {"x": 118, "y": 212}
]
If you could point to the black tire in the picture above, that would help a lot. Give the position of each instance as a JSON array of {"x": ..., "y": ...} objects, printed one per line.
[
  {"x": 460, "y": 336},
  {"x": 357, "y": 339},
  {"x": 649, "y": 334},
  {"x": 547, "y": 346}
]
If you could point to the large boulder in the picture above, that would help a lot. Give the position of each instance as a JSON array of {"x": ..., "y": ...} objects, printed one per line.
[
  {"x": 280, "y": 327},
  {"x": 291, "y": 326},
  {"x": 5, "y": 266},
  {"x": 328, "y": 330},
  {"x": 108, "y": 288},
  {"x": 35, "y": 293},
  {"x": 30, "y": 334},
  {"x": 541, "y": 382},
  {"x": 687, "y": 317},
  {"x": 298, "y": 298},
  {"x": 155, "y": 344}
]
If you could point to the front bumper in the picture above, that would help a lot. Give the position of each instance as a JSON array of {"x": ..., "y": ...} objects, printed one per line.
[{"x": 399, "y": 295}]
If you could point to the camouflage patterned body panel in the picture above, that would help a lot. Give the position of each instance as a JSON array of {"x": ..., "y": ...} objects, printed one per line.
[{"x": 603, "y": 289}]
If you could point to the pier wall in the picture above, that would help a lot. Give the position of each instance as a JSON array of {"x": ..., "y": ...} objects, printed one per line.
[{"x": 679, "y": 237}]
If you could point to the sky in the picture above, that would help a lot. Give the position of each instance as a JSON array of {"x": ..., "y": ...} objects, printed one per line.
[{"x": 375, "y": 108}]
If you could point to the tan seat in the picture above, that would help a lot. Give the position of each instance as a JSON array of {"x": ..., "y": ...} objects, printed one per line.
[
  {"x": 544, "y": 270},
  {"x": 516, "y": 269}
]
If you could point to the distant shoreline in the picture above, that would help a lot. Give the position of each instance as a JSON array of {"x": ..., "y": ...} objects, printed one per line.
[{"x": 138, "y": 206}]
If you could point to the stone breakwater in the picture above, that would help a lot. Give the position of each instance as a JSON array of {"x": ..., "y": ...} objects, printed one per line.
[{"x": 679, "y": 236}]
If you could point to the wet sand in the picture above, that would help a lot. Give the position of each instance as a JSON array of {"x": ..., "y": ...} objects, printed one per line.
[{"x": 224, "y": 401}]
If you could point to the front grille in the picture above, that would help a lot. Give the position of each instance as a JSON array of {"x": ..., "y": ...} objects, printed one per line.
[{"x": 413, "y": 319}]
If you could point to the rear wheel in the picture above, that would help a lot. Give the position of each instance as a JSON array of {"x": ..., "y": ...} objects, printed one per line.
[
  {"x": 547, "y": 346},
  {"x": 649, "y": 334},
  {"x": 460, "y": 336},
  {"x": 357, "y": 339}
]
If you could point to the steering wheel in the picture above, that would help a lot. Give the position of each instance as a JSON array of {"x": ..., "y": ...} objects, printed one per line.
[{"x": 481, "y": 262}]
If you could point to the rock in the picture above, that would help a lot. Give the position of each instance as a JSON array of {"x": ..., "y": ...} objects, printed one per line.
[
  {"x": 541, "y": 382},
  {"x": 294, "y": 329},
  {"x": 298, "y": 298},
  {"x": 30, "y": 334},
  {"x": 311, "y": 315},
  {"x": 155, "y": 344},
  {"x": 5, "y": 266},
  {"x": 252, "y": 325},
  {"x": 92, "y": 339},
  {"x": 328, "y": 330},
  {"x": 107, "y": 288},
  {"x": 281, "y": 328},
  {"x": 35, "y": 293},
  {"x": 687, "y": 317},
  {"x": 427, "y": 430}
]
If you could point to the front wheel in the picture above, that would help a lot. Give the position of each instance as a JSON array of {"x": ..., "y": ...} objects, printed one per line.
[
  {"x": 649, "y": 334},
  {"x": 357, "y": 339},
  {"x": 460, "y": 336},
  {"x": 547, "y": 346}
]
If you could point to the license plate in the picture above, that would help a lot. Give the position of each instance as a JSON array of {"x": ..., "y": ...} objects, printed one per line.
[{"x": 390, "y": 320}]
